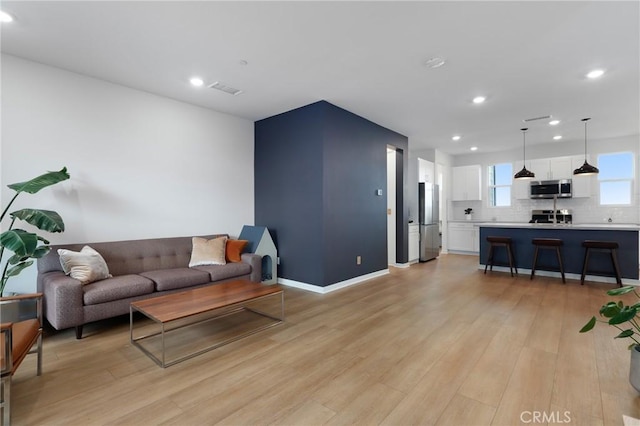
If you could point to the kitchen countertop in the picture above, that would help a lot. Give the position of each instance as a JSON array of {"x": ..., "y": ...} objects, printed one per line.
[{"x": 576, "y": 226}]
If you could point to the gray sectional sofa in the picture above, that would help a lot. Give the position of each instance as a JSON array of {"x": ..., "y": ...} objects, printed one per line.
[{"x": 140, "y": 269}]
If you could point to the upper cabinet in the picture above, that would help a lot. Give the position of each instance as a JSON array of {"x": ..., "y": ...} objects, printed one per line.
[
  {"x": 520, "y": 187},
  {"x": 466, "y": 183},
  {"x": 552, "y": 168}
]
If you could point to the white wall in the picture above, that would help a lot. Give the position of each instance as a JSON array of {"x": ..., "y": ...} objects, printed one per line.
[{"x": 141, "y": 166}]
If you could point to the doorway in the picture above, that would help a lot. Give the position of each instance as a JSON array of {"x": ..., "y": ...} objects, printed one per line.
[{"x": 391, "y": 207}]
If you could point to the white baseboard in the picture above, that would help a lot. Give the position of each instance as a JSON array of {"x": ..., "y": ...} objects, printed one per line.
[{"x": 332, "y": 287}]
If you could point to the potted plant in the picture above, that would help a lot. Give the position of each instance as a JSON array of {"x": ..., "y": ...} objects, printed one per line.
[
  {"x": 26, "y": 245},
  {"x": 467, "y": 213},
  {"x": 625, "y": 318}
]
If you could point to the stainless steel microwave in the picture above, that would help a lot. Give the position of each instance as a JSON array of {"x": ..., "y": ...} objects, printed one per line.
[{"x": 551, "y": 188}]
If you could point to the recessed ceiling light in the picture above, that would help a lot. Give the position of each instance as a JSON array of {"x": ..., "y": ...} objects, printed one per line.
[
  {"x": 554, "y": 122},
  {"x": 456, "y": 138},
  {"x": 474, "y": 148},
  {"x": 243, "y": 62},
  {"x": 196, "y": 81},
  {"x": 5, "y": 17},
  {"x": 557, "y": 137},
  {"x": 435, "y": 62},
  {"x": 479, "y": 99},
  {"x": 595, "y": 74}
]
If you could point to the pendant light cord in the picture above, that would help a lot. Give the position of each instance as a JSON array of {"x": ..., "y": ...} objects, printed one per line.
[
  {"x": 524, "y": 146},
  {"x": 585, "y": 138}
]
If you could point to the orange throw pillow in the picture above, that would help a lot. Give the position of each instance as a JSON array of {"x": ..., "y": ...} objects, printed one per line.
[{"x": 234, "y": 250}]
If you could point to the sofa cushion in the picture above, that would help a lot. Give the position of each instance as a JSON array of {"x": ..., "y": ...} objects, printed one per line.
[
  {"x": 116, "y": 288},
  {"x": 208, "y": 252},
  {"x": 169, "y": 279},
  {"x": 230, "y": 270},
  {"x": 234, "y": 249},
  {"x": 85, "y": 266}
]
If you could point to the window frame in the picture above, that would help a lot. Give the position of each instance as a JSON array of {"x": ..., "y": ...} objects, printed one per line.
[
  {"x": 630, "y": 179},
  {"x": 491, "y": 198}
]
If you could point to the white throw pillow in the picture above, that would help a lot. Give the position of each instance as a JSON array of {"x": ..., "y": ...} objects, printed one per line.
[
  {"x": 85, "y": 266},
  {"x": 208, "y": 252}
]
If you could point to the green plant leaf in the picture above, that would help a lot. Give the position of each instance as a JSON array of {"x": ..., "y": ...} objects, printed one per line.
[
  {"x": 37, "y": 183},
  {"x": 625, "y": 333},
  {"x": 588, "y": 326},
  {"x": 625, "y": 315},
  {"x": 19, "y": 241},
  {"x": 46, "y": 220},
  {"x": 40, "y": 252},
  {"x": 16, "y": 259},
  {"x": 621, "y": 290},
  {"x": 609, "y": 310},
  {"x": 15, "y": 270}
]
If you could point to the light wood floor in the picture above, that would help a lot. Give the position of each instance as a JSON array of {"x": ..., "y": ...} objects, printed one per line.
[{"x": 438, "y": 343}]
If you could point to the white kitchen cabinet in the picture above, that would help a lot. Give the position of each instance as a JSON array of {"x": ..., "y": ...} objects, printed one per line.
[
  {"x": 560, "y": 168},
  {"x": 467, "y": 183},
  {"x": 581, "y": 185},
  {"x": 463, "y": 237},
  {"x": 552, "y": 168},
  {"x": 414, "y": 242},
  {"x": 520, "y": 187},
  {"x": 556, "y": 169}
]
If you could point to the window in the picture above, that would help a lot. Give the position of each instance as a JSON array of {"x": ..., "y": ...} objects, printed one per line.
[
  {"x": 616, "y": 178},
  {"x": 500, "y": 177}
]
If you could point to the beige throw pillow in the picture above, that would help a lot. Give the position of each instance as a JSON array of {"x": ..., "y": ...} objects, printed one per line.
[
  {"x": 208, "y": 252},
  {"x": 85, "y": 266}
]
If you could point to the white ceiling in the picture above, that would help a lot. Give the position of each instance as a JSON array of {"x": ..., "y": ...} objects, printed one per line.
[{"x": 528, "y": 58}]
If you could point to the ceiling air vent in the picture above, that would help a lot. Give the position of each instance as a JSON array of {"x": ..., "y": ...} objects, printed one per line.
[
  {"x": 223, "y": 87},
  {"x": 544, "y": 117}
]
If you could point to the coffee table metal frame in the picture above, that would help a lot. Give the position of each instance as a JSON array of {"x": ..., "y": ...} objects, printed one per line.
[{"x": 229, "y": 309}]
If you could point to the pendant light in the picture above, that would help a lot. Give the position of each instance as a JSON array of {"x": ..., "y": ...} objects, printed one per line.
[
  {"x": 524, "y": 173},
  {"x": 586, "y": 169}
]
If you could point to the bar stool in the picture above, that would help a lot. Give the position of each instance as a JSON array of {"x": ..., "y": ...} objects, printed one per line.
[
  {"x": 500, "y": 242},
  {"x": 604, "y": 246},
  {"x": 547, "y": 243}
]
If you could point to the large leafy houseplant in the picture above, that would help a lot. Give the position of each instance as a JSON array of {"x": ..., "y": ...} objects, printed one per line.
[
  {"x": 618, "y": 313},
  {"x": 625, "y": 317},
  {"x": 27, "y": 245}
]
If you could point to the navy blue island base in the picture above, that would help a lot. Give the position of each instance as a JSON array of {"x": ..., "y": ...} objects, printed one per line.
[{"x": 572, "y": 250}]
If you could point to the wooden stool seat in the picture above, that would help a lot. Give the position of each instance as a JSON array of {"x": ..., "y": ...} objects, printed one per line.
[
  {"x": 600, "y": 244},
  {"x": 608, "y": 246},
  {"x": 500, "y": 242},
  {"x": 547, "y": 243}
]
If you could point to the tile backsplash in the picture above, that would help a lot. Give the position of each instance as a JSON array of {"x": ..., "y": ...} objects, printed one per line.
[{"x": 584, "y": 210}]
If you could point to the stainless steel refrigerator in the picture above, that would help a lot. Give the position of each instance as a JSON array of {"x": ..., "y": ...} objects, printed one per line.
[{"x": 429, "y": 218}]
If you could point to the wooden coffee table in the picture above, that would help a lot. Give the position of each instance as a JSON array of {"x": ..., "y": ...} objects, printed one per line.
[{"x": 190, "y": 307}]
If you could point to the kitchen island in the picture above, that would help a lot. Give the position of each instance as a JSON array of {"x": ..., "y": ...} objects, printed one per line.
[{"x": 626, "y": 235}]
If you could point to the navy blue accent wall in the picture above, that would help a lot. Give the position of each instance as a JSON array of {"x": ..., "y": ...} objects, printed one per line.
[
  {"x": 288, "y": 187},
  {"x": 317, "y": 169}
]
